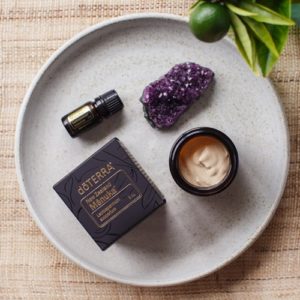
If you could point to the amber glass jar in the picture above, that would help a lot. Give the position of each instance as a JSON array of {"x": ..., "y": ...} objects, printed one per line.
[{"x": 205, "y": 133}]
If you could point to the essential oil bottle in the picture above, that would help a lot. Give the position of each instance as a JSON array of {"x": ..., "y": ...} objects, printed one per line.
[{"x": 91, "y": 113}]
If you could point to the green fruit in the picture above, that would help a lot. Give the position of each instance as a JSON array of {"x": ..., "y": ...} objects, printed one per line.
[{"x": 209, "y": 22}]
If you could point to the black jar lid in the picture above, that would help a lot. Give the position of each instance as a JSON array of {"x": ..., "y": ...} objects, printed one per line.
[{"x": 174, "y": 161}]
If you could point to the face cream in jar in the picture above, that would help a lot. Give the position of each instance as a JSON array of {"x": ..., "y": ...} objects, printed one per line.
[{"x": 203, "y": 161}]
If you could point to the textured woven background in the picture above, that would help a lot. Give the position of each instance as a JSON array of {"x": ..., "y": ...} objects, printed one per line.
[{"x": 31, "y": 268}]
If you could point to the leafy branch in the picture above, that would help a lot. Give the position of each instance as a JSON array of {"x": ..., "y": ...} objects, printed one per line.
[{"x": 260, "y": 28}]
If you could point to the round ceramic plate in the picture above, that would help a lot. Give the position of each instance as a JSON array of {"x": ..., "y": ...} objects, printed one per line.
[{"x": 190, "y": 236}]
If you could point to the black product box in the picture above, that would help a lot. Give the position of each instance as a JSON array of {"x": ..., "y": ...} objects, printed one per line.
[{"x": 109, "y": 193}]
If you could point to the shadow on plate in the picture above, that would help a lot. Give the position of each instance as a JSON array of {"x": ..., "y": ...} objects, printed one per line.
[
  {"x": 102, "y": 130},
  {"x": 198, "y": 223}
]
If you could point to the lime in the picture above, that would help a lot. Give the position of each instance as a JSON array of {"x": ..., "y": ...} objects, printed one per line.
[{"x": 209, "y": 22}]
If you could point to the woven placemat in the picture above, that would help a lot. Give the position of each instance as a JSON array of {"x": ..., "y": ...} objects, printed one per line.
[{"x": 30, "y": 267}]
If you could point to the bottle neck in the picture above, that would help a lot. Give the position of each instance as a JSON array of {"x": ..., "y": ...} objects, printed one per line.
[{"x": 101, "y": 107}]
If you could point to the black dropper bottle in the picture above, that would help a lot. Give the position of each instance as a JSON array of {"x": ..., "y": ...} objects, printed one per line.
[{"x": 92, "y": 112}]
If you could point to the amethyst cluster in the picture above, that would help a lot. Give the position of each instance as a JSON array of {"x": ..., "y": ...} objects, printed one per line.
[{"x": 166, "y": 99}]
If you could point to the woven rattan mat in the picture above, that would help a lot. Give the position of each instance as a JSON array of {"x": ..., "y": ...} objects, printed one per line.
[{"x": 30, "y": 267}]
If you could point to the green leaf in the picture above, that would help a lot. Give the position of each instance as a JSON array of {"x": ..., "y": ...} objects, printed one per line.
[
  {"x": 255, "y": 67},
  {"x": 296, "y": 13},
  {"x": 242, "y": 35},
  {"x": 266, "y": 15},
  {"x": 239, "y": 11},
  {"x": 262, "y": 33},
  {"x": 241, "y": 49},
  {"x": 198, "y": 2},
  {"x": 279, "y": 34}
]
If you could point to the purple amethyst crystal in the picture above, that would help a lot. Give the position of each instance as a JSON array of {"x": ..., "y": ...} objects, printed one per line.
[{"x": 167, "y": 98}]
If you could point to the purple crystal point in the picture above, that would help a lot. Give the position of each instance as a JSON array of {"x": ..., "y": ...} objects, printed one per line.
[{"x": 167, "y": 98}]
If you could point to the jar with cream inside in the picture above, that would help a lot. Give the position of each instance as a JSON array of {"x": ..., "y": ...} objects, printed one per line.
[{"x": 203, "y": 161}]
